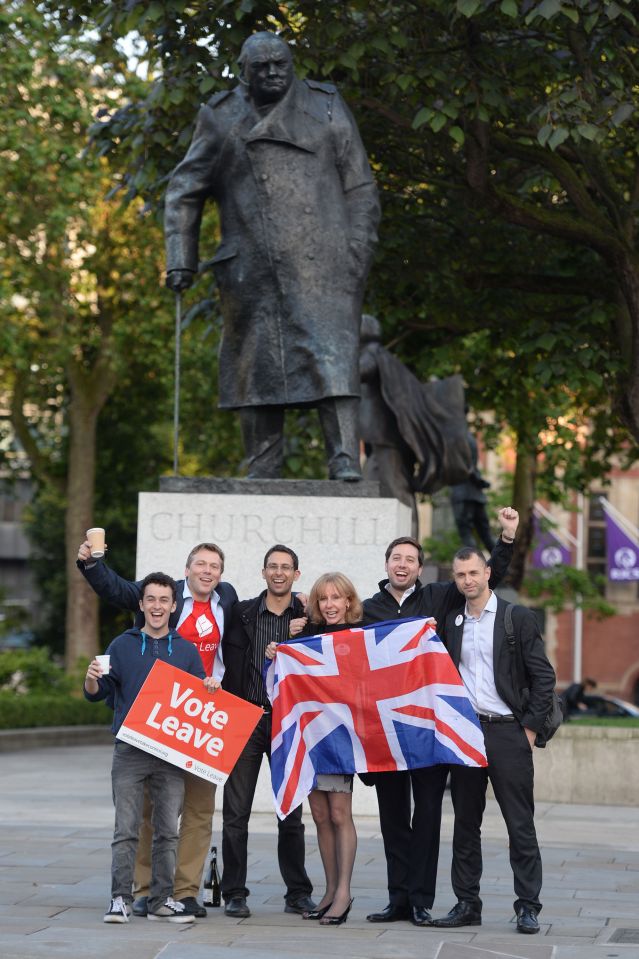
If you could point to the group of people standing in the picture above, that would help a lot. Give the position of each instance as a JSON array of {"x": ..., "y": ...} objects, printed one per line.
[{"x": 201, "y": 613}]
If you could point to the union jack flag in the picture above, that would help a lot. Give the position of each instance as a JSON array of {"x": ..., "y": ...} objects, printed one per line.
[{"x": 373, "y": 699}]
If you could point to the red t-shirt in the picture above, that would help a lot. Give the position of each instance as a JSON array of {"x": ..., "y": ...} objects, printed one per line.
[{"x": 201, "y": 628}]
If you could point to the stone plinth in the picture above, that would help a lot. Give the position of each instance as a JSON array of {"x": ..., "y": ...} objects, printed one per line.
[
  {"x": 274, "y": 487},
  {"x": 330, "y": 525}
]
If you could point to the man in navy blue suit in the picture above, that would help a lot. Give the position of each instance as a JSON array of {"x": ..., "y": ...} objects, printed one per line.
[{"x": 203, "y": 608}]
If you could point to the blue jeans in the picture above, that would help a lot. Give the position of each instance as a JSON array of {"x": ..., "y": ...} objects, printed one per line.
[{"x": 131, "y": 770}]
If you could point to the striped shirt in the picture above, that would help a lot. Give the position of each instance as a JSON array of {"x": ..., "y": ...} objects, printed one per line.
[{"x": 269, "y": 628}]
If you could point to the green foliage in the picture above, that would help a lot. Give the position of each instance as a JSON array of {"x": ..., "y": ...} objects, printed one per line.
[
  {"x": 563, "y": 586},
  {"x": 621, "y": 722},
  {"x": 36, "y": 691},
  {"x": 27, "y": 671},
  {"x": 11, "y": 617},
  {"x": 304, "y": 454},
  {"x": 44, "y": 524},
  {"x": 41, "y": 709},
  {"x": 441, "y": 548},
  {"x": 189, "y": 52}
]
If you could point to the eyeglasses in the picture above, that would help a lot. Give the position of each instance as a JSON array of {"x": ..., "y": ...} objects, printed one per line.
[{"x": 284, "y": 568}]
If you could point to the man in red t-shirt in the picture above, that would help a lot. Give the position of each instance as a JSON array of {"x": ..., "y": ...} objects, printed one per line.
[
  {"x": 201, "y": 620},
  {"x": 203, "y": 605}
]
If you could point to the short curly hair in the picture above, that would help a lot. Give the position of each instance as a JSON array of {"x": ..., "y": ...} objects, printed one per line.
[{"x": 158, "y": 579}]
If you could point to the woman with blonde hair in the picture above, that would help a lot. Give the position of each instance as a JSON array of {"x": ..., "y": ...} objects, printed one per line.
[{"x": 333, "y": 606}]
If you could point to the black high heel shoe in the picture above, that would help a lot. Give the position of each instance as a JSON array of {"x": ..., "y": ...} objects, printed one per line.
[
  {"x": 337, "y": 920},
  {"x": 317, "y": 913}
]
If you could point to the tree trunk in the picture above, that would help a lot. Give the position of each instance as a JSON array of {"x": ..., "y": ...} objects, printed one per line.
[
  {"x": 89, "y": 390},
  {"x": 628, "y": 333},
  {"x": 82, "y": 619},
  {"x": 524, "y": 484}
]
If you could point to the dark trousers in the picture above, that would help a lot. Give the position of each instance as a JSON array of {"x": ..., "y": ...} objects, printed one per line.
[
  {"x": 263, "y": 436},
  {"x": 411, "y": 843},
  {"x": 239, "y": 790},
  {"x": 510, "y": 770}
]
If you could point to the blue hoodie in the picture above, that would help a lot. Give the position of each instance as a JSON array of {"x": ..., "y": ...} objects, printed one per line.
[{"x": 133, "y": 654}]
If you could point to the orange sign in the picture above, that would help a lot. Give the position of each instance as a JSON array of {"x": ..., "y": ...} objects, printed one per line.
[{"x": 175, "y": 718}]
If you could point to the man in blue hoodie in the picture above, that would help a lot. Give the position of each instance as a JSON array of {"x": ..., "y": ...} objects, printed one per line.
[
  {"x": 132, "y": 655},
  {"x": 202, "y": 612}
]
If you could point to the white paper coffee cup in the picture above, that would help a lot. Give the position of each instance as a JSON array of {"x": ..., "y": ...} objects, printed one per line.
[
  {"x": 105, "y": 663},
  {"x": 95, "y": 536}
]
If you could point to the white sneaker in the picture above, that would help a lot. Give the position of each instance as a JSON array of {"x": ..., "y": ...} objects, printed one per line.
[
  {"x": 119, "y": 911},
  {"x": 171, "y": 911}
]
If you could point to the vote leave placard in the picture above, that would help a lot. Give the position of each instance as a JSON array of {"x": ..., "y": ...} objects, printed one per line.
[{"x": 174, "y": 717}]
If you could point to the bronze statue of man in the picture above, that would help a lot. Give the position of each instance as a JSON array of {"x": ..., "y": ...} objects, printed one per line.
[{"x": 284, "y": 161}]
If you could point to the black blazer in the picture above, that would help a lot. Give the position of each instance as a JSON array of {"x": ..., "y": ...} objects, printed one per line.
[
  {"x": 528, "y": 686},
  {"x": 238, "y": 641}
]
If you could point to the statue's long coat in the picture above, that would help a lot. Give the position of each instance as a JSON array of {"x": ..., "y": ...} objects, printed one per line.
[{"x": 295, "y": 194}]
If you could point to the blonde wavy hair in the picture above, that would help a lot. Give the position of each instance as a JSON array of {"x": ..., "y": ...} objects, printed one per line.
[{"x": 344, "y": 587}]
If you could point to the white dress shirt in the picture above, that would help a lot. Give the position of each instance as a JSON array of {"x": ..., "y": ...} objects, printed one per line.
[
  {"x": 476, "y": 661},
  {"x": 405, "y": 594}
]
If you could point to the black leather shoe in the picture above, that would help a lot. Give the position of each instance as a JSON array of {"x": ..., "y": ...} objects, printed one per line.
[
  {"x": 463, "y": 914},
  {"x": 527, "y": 921},
  {"x": 420, "y": 916},
  {"x": 193, "y": 908},
  {"x": 301, "y": 905},
  {"x": 140, "y": 907},
  {"x": 391, "y": 913},
  {"x": 236, "y": 908}
]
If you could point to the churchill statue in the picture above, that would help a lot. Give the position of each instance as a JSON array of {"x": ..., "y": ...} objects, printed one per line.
[{"x": 283, "y": 160}]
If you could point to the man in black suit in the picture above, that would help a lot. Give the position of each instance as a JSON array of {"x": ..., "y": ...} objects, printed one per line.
[
  {"x": 410, "y": 801},
  {"x": 202, "y": 611},
  {"x": 510, "y": 688}
]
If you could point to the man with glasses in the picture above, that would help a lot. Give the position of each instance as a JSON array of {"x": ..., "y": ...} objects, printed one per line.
[
  {"x": 203, "y": 607},
  {"x": 253, "y": 625}
]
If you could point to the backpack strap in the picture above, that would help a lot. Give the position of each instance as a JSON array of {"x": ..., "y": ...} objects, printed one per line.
[{"x": 509, "y": 630}]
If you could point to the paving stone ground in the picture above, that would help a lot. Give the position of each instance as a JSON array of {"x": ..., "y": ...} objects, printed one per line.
[{"x": 55, "y": 828}]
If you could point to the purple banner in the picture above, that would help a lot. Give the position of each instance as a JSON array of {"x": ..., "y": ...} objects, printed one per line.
[
  {"x": 622, "y": 551},
  {"x": 549, "y": 551}
]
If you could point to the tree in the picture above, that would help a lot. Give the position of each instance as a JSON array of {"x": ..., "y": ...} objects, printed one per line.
[
  {"x": 484, "y": 119},
  {"x": 81, "y": 277}
]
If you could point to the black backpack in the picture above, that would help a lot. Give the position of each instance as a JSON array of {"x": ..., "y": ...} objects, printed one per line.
[{"x": 555, "y": 716}]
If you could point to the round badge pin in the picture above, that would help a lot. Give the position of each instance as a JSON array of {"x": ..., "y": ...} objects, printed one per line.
[{"x": 459, "y": 620}]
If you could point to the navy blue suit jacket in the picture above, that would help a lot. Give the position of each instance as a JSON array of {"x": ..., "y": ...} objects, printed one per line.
[{"x": 125, "y": 593}]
